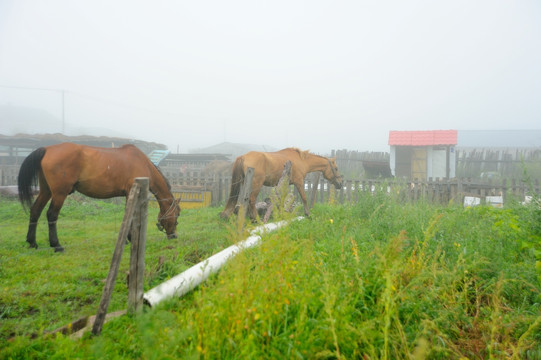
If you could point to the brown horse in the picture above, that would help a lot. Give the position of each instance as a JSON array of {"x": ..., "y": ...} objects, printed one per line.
[
  {"x": 268, "y": 167},
  {"x": 93, "y": 171}
]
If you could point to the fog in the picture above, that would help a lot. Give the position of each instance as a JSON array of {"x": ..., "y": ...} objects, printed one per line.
[{"x": 317, "y": 75}]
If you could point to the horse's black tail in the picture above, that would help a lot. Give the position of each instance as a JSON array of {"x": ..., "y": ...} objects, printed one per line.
[
  {"x": 238, "y": 178},
  {"x": 28, "y": 174},
  {"x": 236, "y": 182}
]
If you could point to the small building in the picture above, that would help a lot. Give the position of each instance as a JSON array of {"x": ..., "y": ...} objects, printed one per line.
[{"x": 423, "y": 154}]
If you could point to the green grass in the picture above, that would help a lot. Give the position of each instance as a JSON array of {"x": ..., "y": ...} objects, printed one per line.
[
  {"x": 376, "y": 280},
  {"x": 42, "y": 290}
]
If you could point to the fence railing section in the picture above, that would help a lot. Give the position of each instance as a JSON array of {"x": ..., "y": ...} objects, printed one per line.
[
  {"x": 435, "y": 190},
  {"x": 9, "y": 174}
]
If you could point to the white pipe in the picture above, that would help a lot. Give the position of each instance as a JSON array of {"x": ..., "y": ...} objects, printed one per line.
[{"x": 189, "y": 279}]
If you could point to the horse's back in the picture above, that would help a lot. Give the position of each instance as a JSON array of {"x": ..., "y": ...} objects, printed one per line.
[
  {"x": 268, "y": 166},
  {"x": 94, "y": 171},
  {"x": 72, "y": 150}
]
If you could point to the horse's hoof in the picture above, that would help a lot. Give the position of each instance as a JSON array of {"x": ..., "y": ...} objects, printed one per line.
[
  {"x": 33, "y": 246},
  {"x": 59, "y": 249}
]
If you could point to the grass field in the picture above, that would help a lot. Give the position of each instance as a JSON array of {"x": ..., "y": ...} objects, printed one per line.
[{"x": 375, "y": 280}]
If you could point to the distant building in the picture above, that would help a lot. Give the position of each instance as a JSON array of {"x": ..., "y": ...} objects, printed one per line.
[
  {"x": 13, "y": 149},
  {"x": 437, "y": 153},
  {"x": 423, "y": 154}
]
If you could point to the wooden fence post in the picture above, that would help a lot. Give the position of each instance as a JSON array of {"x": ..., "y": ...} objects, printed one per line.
[
  {"x": 246, "y": 187},
  {"x": 117, "y": 256},
  {"x": 321, "y": 185},
  {"x": 245, "y": 192},
  {"x": 278, "y": 190},
  {"x": 216, "y": 199},
  {"x": 313, "y": 192},
  {"x": 138, "y": 245}
]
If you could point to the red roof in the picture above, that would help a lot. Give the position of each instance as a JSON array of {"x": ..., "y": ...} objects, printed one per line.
[{"x": 423, "y": 138}]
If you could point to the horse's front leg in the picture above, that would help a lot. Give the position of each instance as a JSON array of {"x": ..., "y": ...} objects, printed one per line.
[
  {"x": 252, "y": 212},
  {"x": 35, "y": 213},
  {"x": 52, "y": 218}
]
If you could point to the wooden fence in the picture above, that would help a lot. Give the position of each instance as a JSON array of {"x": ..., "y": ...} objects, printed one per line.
[
  {"x": 9, "y": 174},
  {"x": 437, "y": 190},
  {"x": 505, "y": 162},
  {"x": 440, "y": 191},
  {"x": 356, "y": 164}
]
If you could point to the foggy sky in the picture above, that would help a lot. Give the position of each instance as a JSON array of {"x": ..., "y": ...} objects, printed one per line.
[{"x": 317, "y": 75}]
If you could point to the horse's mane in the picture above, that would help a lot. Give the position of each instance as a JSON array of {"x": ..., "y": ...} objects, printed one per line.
[{"x": 163, "y": 176}]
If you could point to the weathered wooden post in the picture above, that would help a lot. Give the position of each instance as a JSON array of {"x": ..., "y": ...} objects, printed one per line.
[
  {"x": 278, "y": 189},
  {"x": 313, "y": 192},
  {"x": 117, "y": 256},
  {"x": 138, "y": 245},
  {"x": 246, "y": 187},
  {"x": 244, "y": 197},
  {"x": 341, "y": 196}
]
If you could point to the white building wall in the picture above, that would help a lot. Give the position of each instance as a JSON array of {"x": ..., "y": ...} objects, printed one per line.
[
  {"x": 429, "y": 162},
  {"x": 439, "y": 163}
]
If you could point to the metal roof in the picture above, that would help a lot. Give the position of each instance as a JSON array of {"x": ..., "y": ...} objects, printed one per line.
[{"x": 423, "y": 138}]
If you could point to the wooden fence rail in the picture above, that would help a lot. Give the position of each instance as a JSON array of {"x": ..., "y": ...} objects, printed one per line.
[{"x": 436, "y": 190}]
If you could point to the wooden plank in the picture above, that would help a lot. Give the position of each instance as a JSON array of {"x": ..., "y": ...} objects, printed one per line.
[
  {"x": 246, "y": 187},
  {"x": 138, "y": 245},
  {"x": 115, "y": 262},
  {"x": 313, "y": 191},
  {"x": 321, "y": 185},
  {"x": 245, "y": 191},
  {"x": 278, "y": 189}
]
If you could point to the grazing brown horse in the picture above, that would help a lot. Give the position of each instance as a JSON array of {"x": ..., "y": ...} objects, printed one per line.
[
  {"x": 93, "y": 171},
  {"x": 268, "y": 167}
]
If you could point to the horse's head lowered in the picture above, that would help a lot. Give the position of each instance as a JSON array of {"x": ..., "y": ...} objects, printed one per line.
[
  {"x": 167, "y": 221},
  {"x": 331, "y": 174}
]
